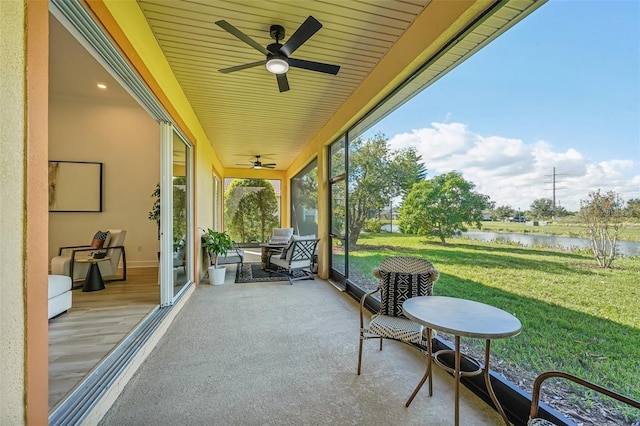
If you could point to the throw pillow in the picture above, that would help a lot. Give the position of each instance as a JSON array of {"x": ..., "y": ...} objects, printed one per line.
[
  {"x": 396, "y": 287},
  {"x": 99, "y": 239}
]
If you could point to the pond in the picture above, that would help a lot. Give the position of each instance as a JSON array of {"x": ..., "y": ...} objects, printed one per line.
[{"x": 626, "y": 248}]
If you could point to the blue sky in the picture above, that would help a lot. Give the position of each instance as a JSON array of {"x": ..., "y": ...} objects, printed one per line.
[{"x": 560, "y": 89}]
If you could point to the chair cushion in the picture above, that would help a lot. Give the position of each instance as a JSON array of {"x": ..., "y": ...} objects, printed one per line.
[
  {"x": 293, "y": 238},
  {"x": 99, "y": 239},
  {"x": 396, "y": 287},
  {"x": 540, "y": 422},
  {"x": 281, "y": 235},
  {"x": 397, "y": 328}
]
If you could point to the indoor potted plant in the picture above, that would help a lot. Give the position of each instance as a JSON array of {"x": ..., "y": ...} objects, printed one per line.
[{"x": 216, "y": 244}]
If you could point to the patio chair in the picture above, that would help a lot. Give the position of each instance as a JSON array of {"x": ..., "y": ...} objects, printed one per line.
[
  {"x": 400, "y": 278},
  {"x": 281, "y": 236},
  {"x": 296, "y": 259},
  {"x": 534, "y": 420}
]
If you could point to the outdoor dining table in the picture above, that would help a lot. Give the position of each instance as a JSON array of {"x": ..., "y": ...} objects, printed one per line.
[
  {"x": 269, "y": 249},
  {"x": 461, "y": 318}
]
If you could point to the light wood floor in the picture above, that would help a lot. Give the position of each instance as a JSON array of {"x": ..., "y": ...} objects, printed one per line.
[{"x": 97, "y": 321}]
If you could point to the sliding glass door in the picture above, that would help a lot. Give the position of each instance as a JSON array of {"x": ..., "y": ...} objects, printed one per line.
[
  {"x": 176, "y": 215},
  {"x": 338, "y": 209}
]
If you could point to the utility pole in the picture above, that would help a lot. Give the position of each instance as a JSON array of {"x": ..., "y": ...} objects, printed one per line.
[
  {"x": 553, "y": 213},
  {"x": 553, "y": 189}
]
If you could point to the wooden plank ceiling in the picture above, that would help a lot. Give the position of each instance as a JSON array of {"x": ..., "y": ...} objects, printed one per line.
[{"x": 243, "y": 113}]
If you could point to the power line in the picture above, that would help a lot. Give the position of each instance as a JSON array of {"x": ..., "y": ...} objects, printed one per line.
[{"x": 553, "y": 182}]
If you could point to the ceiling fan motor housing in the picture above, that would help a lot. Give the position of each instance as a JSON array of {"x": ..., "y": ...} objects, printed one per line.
[{"x": 277, "y": 32}]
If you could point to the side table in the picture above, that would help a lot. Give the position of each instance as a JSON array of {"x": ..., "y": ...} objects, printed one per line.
[{"x": 94, "y": 281}]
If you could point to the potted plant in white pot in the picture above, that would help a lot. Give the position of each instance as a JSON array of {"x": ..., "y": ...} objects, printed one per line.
[{"x": 216, "y": 244}]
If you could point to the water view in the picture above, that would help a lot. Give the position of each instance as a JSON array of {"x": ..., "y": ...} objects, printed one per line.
[{"x": 626, "y": 248}]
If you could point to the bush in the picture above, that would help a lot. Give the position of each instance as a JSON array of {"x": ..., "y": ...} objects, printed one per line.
[{"x": 372, "y": 225}]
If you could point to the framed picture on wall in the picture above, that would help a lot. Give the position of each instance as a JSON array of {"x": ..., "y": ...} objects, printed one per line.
[{"x": 75, "y": 186}]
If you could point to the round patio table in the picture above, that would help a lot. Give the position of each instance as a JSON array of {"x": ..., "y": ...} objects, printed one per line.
[{"x": 465, "y": 318}]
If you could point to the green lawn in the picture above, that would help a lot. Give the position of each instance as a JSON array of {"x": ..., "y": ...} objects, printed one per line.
[{"x": 575, "y": 317}]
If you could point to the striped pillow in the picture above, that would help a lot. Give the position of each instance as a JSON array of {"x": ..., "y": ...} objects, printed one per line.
[{"x": 396, "y": 287}]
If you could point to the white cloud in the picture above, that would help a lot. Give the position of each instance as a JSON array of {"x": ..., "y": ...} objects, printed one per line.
[{"x": 513, "y": 172}]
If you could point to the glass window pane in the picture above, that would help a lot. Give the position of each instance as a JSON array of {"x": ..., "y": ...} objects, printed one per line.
[
  {"x": 251, "y": 209},
  {"x": 338, "y": 226},
  {"x": 304, "y": 200},
  {"x": 337, "y": 158},
  {"x": 181, "y": 189}
]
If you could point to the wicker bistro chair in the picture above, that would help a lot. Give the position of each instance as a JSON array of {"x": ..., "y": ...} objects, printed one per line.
[
  {"x": 534, "y": 420},
  {"x": 400, "y": 279}
]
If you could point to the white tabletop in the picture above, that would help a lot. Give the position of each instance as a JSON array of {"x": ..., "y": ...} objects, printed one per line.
[{"x": 461, "y": 317}]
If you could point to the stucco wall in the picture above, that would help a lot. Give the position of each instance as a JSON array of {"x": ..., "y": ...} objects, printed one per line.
[
  {"x": 127, "y": 141},
  {"x": 12, "y": 169},
  {"x": 23, "y": 223}
]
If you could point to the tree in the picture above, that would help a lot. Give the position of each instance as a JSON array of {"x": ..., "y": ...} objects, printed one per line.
[
  {"x": 560, "y": 211},
  {"x": 633, "y": 208},
  {"x": 251, "y": 209},
  {"x": 406, "y": 169},
  {"x": 542, "y": 208},
  {"x": 304, "y": 197},
  {"x": 503, "y": 213},
  {"x": 376, "y": 175},
  {"x": 602, "y": 214},
  {"x": 442, "y": 206}
]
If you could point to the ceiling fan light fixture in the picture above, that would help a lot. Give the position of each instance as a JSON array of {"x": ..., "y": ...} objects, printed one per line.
[{"x": 277, "y": 65}]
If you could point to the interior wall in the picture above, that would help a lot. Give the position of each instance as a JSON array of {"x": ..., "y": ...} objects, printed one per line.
[{"x": 126, "y": 140}]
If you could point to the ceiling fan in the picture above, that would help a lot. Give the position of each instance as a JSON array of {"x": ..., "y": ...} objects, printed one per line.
[
  {"x": 257, "y": 164},
  {"x": 278, "y": 56}
]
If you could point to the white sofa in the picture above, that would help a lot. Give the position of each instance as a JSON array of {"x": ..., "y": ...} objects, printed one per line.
[{"x": 59, "y": 294}]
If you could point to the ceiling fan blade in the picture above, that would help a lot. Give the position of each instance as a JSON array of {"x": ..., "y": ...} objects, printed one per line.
[
  {"x": 242, "y": 67},
  {"x": 269, "y": 166},
  {"x": 314, "y": 66},
  {"x": 308, "y": 28},
  {"x": 283, "y": 82},
  {"x": 242, "y": 36}
]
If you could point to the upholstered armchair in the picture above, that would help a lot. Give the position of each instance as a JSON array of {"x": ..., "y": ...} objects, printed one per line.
[
  {"x": 72, "y": 261},
  {"x": 400, "y": 278}
]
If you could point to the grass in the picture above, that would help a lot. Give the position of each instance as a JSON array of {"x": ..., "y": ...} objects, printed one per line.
[
  {"x": 630, "y": 231},
  {"x": 575, "y": 317}
]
